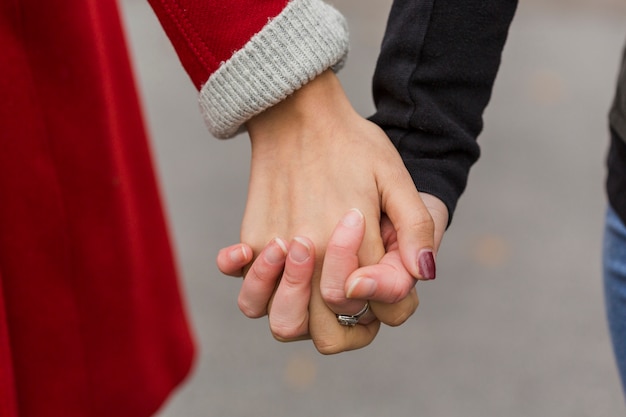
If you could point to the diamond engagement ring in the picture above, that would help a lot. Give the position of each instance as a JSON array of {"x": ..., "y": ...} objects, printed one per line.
[{"x": 352, "y": 320}]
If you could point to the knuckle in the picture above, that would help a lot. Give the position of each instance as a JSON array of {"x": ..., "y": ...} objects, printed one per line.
[
  {"x": 329, "y": 341},
  {"x": 401, "y": 313},
  {"x": 332, "y": 295},
  {"x": 340, "y": 248},
  {"x": 282, "y": 335},
  {"x": 280, "y": 338},
  {"x": 292, "y": 279},
  {"x": 398, "y": 318},
  {"x": 249, "y": 310},
  {"x": 328, "y": 348},
  {"x": 284, "y": 332},
  {"x": 260, "y": 271},
  {"x": 423, "y": 221},
  {"x": 400, "y": 289}
]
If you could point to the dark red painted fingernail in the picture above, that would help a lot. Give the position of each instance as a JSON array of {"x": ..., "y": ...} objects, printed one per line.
[{"x": 426, "y": 264}]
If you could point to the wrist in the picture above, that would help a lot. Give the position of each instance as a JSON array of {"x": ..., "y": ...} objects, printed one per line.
[{"x": 312, "y": 107}]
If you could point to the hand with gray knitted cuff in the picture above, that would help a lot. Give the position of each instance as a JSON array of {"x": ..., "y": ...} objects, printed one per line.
[{"x": 314, "y": 158}]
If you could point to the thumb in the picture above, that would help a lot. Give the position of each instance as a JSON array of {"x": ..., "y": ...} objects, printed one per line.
[
  {"x": 414, "y": 226},
  {"x": 439, "y": 212}
]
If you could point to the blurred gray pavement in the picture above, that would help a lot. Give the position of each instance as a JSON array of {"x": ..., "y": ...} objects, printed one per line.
[{"x": 514, "y": 324}]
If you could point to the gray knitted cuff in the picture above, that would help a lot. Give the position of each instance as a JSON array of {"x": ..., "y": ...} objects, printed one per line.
[{"x": 304, "y": 40}]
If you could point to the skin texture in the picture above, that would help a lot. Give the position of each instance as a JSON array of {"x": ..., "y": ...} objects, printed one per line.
[{"x": 313, "y": 160}]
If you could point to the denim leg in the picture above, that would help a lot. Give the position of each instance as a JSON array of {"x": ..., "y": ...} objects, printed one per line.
[{"x": 614, "y": 264}]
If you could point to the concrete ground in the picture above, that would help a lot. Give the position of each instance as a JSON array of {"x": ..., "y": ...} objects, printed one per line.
[{"x": 514, "y": 324}]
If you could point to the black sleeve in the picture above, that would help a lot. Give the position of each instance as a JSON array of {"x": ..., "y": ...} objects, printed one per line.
[{"x": 433, "y": 80}]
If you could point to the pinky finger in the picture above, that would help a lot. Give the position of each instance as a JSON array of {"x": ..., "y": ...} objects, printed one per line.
[{"x": 232, "y": 259}]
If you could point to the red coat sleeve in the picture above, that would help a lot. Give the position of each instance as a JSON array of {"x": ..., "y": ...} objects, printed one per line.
[
  {"x": 247, "y": 55},
  {"x": 207, "y": 32}
]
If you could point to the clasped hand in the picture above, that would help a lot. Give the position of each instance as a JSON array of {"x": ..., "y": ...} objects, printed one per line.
[{"x": 314, "y": 161}]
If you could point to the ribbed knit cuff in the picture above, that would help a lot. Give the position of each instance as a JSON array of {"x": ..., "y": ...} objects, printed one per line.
[{"x": 304, "y": 40}]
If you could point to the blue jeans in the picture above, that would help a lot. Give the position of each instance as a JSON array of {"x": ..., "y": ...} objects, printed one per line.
[{"x": 614, "y": 263}]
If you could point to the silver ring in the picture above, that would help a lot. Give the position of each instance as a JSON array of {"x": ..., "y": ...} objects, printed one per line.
[{"x": 351, "y": 320}]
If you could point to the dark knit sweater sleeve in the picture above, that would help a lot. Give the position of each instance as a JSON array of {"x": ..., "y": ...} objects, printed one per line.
[{"x": 433, "y": 80}]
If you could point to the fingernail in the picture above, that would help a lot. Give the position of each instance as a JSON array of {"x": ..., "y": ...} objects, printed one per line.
[
  {"x": 366, "y": 287},
  {"x": 426, "y": 264},
  {"x": 239, "y": 255},
  {"x": 353, "y": 218},
  {"x": 276, "y": 251},
  {"x": 299, "y": 250}
]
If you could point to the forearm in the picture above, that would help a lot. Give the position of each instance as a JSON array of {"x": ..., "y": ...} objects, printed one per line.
[{"x": 433, "y": 80}]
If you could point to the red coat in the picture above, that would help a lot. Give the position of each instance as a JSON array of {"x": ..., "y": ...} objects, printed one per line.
[{"x": 91, "y": 318}]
